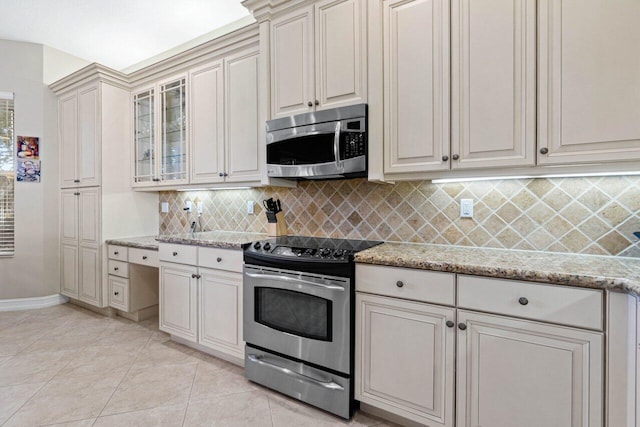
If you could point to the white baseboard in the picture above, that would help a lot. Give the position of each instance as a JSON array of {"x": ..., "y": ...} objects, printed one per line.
[{"x": 32, "y": 303}]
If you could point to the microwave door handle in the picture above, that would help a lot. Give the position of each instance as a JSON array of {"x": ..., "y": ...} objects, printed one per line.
[
  {"x": 336, "y": 147},
  {"x": 296, "y": 280},
  {"x": 325, "y": 384}
]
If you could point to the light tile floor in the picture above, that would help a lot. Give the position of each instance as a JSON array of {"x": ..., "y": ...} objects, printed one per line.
[{"x": 66, "y": 366}]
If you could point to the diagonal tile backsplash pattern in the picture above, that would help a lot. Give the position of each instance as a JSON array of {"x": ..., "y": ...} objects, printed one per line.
[{"x": 578, "y": 215}]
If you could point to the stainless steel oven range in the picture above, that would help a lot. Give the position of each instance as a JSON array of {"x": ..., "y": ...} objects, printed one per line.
[{"x": 299, "y": 318}]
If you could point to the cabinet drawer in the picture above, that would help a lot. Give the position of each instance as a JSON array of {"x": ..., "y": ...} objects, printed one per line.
[
  {"x": 420, "y": 285},
  {"x": 118, "y": 268},
  {"x": 119, "y": 293},
  {"x": 118, "y": 252},
  {"x": 549, "y": 303},
  {"x": 144, "y": 257},
  {"x": 223, "y": 259},
  {"x": 181, "y": 254}
]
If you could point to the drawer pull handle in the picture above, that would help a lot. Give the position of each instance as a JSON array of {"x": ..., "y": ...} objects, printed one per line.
[
  {"x": 116, "y": 268},
  {"x": 399, "y": 284},
  {"x": 219, "y": 259},
  {"x": 116, "y": 253},
  {"x": 175, "y": 254},
  {"x": 523, "y": 301},
  {"x": 144, "y": 257},
  {"x": 116, "y": 293},
  {"x": 462, "y": 326},
  {"x": 450, "y": 324}
]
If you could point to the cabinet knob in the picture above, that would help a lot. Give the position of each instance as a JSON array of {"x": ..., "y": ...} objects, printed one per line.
[
  {"x": 399, "y": 284},
  {"x": 193, "y": 276},
  {"x": 144, "y": 257},
  {"x": 198, "y": 276},
  {"x": 219, "y": 259},
  {"x": 310, "y": 104},
  {"x": 116, "y": 293},
  {"x": 116, "y": 268},
  {"x": 462, "y": 326},
  {"x": 175, "y": 254},
  {"x": 220, "y": 174},
  {"x": 455, "y": 157},
  {"x": 445, "y": 158},
  {"x": 523, "y": 301},
  {"x": 450, "y": 324},
  {"x": 317, "y": 102},
  {"x": 544, "y": 150},
  {"x": 116, "y": 253},
  {"x": 77, "y": 181}
]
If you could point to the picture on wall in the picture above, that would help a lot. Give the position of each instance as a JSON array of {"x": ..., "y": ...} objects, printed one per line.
[{"x": 28, "y": 154}]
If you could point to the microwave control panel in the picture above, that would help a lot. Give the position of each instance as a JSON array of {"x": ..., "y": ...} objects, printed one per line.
[{"x": 354, "y": 145}]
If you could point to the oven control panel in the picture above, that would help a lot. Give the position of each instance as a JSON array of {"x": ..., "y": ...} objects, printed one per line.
[{"x": 267, "y": 248}]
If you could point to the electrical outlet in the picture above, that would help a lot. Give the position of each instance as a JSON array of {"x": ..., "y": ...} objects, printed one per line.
[
  {"x": 250, "y": 207},
  {"x": 187, "y": 206},
  {"x": 164, "y": 207},
  {"x": 200, "y": 207},
  {"x": 466, "y": 208}
]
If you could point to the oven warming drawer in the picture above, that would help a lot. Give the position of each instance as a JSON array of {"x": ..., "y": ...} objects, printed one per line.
[{"x": 319, "y": 388}]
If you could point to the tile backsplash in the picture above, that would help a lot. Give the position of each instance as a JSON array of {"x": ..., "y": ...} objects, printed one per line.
[{"x": 580, "y": 215}]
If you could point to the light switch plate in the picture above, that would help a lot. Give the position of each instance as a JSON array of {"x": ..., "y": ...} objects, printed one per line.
[
  {"x": 466, "y": 208},
  {"x": 250, "y": 207},
  {"x": 164, "y": 207}
]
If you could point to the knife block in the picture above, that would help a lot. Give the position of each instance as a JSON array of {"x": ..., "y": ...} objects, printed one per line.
[{"x": 278, "y": 228}]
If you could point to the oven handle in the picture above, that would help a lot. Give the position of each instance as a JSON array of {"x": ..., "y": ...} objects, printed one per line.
[
  {"x": 328, "y": 384},
  {"x": 291, "y": 279},
  {"x": 336, "y": 147}
]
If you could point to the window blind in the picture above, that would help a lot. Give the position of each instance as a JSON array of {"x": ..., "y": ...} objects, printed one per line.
[{"x": 7, "y": 212}]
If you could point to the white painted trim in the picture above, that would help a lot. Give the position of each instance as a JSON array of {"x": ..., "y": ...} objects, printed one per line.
[{"x": 32, "y": 303}]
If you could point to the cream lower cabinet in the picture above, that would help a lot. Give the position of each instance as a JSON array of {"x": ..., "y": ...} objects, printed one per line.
[
  {"x": 179, "y": 300},
  {"x": 201, "y": 297},
  {"x": 220, "y": 311},
  {"x": 80, "y": 244},
  {"x": 405, "y": 354},
  {"x": 514, "y": 372}
]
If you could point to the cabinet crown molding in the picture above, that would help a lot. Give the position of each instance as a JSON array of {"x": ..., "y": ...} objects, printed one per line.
[
  {"x": 263, "y": 10},
  {"x": 91, "y": 72}
]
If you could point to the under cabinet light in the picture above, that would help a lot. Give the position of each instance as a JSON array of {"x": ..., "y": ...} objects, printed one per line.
[
  {"x": 557, "y": 175},
  {"x": 213, "y": 189}
]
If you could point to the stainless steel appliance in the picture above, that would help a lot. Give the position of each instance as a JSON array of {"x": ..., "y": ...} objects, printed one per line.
[
  {"x": 321, "y": 145},
  {"x": 299, "y": 318}
]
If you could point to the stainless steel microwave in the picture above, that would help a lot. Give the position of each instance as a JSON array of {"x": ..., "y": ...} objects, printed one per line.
[{"x": 321, "y": 145}]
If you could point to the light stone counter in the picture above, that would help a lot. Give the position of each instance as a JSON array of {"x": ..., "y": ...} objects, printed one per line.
[
  {"x": 145, "y": 242},
  {"x": 214, "y": 239},
  {"x": 589, "y": 271}
]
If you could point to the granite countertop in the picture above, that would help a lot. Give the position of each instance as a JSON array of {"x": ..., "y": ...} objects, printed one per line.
[
  {"x": 589, "y": 271},
  {"x": 215, "y": 239},
  {"x": 144, "y": 242}
]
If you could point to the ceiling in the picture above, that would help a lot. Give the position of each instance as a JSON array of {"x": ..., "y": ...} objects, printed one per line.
[{"x": 115, "y": 33}]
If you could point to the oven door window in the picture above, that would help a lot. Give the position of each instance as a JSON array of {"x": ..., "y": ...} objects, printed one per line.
[
  {"x": 303, "y": 150},
  {"x": 294, "y": 312}
]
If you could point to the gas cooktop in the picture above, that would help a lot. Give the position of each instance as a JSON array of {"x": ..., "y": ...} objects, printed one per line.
[{"x": 309, "y": 248}]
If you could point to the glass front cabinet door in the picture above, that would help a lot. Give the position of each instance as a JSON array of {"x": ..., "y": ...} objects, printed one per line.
[{"x": 160, "y": 146}]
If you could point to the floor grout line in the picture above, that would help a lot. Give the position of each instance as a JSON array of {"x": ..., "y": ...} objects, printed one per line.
[{"x": 193, "y": 381}]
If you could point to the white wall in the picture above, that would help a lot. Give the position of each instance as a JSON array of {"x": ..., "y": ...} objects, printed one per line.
[
  {"x": 34, "y": 270},
  {"x": 58, "y": 64}
]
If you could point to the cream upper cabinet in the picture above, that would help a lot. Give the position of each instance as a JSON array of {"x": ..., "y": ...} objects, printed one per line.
[
  {"x": 292, "y": 79},
  {"x": 589, "y": 81},
  {"x": 493, "y": 83},
  {"x": 78, "y": 132},
  {"x": 405, "y": 358},
  {"x": 160, "y": 133},
  {"x": 416, "y": 85},
  {"x": 537, "y": 374},
  {"x": 206, "y": 97},
  {"x": 318, "y": 57},
  {"x": 224, "y": 111},
  {"x": 242, "y": 127}
]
